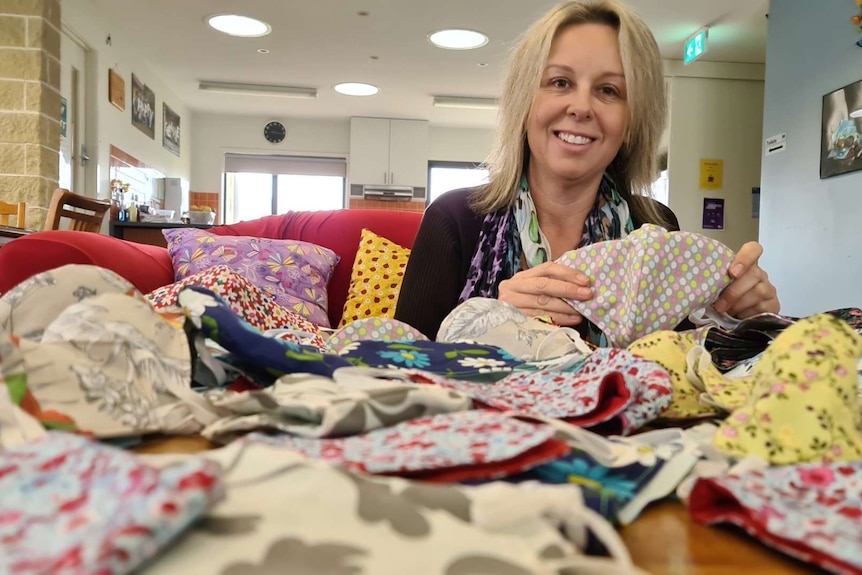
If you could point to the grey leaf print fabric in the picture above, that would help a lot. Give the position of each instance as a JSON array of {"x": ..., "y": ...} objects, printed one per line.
[
  {"x": 230, "y": 526},
  {"x": 481, "y": 565},
  {"x": 309, "y": 518},
  {"x": 354, "y": 401},
  {"x": 378, "y": 503},
  {"x": 292, "y": 556}
]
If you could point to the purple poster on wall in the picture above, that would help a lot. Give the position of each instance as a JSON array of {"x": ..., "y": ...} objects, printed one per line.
[{"x": 713, "y": 213}]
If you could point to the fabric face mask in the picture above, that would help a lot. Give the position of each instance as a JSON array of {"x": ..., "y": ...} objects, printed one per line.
[
  {"x": 493, "y": 322},
  {"x": 803, "y": 406},
  {"x": 649, "y": 281}
]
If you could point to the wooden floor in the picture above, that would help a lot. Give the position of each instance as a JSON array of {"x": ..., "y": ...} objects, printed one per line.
[{"x": 662, "y": 541}]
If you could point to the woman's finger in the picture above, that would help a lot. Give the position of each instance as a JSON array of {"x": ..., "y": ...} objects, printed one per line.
[
  {"x": 761, "y": 298},
  {"x": 746, "y": 258},
  {"x": 542, "y": 302},
  {"x": 737, "y": 289},
  {"x": 556, "y": 271},
  {"x": 764, "y": 306},
  {"x": 566, "y": 319}
]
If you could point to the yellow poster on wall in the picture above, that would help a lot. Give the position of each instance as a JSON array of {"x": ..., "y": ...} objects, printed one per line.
[{"x": 711, "y": 172}]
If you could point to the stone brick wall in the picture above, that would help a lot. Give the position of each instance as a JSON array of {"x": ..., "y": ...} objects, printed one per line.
[{"x": 29, "y": 103}]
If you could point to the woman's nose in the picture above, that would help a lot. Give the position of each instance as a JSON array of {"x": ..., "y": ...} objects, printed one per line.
[{"x": 580, "y": 104}]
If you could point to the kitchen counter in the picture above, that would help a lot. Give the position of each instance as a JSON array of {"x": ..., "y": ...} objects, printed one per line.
[{"x": 147, "y": 232}]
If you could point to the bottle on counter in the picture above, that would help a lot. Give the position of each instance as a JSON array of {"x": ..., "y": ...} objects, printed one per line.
[{"x": 133, "y": 212}]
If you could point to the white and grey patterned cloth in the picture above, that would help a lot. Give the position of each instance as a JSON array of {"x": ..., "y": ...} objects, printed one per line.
[
  {"x": 353, "y": 401},
  {"x": 91, "y": 349},
  {"x": 286, "y": 514},
  {"x": 492, "y": 322}
]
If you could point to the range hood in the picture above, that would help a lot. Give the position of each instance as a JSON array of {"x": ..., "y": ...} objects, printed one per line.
[{"x": 388, "y": 193}]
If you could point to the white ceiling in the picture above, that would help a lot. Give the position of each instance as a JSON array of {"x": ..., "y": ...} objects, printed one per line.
[{"x": 319, "y": 43}]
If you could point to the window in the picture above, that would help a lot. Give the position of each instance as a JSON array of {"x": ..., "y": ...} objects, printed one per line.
[
  {"x": 257, "y": 186},
  {"x": 447, "y": 176},
  {"x": 660, "y": 188},
  {"x": 309, "y": 193}
]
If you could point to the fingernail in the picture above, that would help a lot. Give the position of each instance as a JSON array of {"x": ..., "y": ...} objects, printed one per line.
[
  {"x": 736, "y": 270},
  {"x": 585, "y": 292},
  {"x": 720, "y": 306}
]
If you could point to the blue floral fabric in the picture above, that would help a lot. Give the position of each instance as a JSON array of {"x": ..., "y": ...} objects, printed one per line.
[
  {"x": 606, "y": 490},
  {"x": 209, "y": 314},
  {"x": 457, "y": 360}
]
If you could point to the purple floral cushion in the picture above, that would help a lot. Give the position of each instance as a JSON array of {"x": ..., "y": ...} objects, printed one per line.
[{"x": 295, "y": 273}]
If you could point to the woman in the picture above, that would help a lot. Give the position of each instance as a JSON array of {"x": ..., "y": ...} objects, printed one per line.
[{"x": 581, "y": 114}]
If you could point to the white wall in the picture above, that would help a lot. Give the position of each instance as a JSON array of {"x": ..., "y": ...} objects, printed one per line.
[
  {"x": 810, "y": 228},
  {"x": 459, "y": 144},
  {"x": 715, "y": 119},
  {"x": 216, "y": 134},
  {"x": 106, "y": 125}
]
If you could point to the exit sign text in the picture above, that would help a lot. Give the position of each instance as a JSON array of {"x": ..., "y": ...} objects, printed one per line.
[{"x": 695, "y": 47}]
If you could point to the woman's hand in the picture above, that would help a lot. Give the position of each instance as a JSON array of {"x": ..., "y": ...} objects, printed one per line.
[
  {"x": 750, "y": 292},
  {"x": 540, "y": 291}
]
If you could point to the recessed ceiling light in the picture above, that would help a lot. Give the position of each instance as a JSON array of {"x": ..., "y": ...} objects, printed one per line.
[
  {"x": 458, "y": 39},
  {"x": 262, "y": 51},
  {"x": 356, "y": 89},
  {"x": 236, "y": 25},
  {"x": 482, "y": 64}
]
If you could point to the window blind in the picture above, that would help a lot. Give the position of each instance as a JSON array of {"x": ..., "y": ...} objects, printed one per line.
[{"x": 297, "y": 165}]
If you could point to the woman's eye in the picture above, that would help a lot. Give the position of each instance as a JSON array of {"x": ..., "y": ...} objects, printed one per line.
[
  {"x": 610, "y": 91},
  {"x": 560, "y": 83}
]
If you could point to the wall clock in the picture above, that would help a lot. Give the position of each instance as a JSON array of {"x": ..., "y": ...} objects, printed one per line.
[{"x": 274, "y": 132}]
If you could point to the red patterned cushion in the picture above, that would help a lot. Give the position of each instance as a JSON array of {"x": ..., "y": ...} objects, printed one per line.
[{"x": 251, "y": 303}]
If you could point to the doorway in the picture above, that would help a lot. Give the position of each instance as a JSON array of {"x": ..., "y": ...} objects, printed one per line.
[{"x": 73, "y": 157}]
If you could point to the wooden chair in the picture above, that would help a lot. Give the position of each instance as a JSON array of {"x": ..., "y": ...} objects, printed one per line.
[
  {"x": 84, "y": 214},
  {"x": 7, "y": 210}
]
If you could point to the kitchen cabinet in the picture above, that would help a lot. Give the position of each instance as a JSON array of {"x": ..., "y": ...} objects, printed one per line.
[{"x": 388, "y": 152}]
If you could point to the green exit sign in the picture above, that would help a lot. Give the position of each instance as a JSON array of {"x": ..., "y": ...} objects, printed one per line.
[{"x": 695, "y": 47}]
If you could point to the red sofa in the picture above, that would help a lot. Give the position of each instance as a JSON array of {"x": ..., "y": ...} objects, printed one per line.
[{"x": 148, "y": 267}]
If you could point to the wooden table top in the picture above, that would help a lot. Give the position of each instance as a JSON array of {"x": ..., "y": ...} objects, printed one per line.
[
  {"x": 9, "y": 233},
  {"x": 663, "y": 540}
]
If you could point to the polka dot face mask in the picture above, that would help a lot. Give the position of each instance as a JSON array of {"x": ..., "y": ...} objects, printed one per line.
[{"x": 651, "y": 280}]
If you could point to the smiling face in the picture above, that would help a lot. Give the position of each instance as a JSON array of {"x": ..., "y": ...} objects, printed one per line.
[{"x": 578, "y": 118}]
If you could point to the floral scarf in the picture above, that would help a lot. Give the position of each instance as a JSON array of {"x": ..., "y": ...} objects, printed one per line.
[{"x": 509, "y": 233}]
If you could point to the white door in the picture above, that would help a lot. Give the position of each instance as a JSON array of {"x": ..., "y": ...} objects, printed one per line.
[{"x": 72, "y": 125}]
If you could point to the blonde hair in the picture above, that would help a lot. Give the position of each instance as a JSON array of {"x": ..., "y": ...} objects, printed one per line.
[{"x": 634, "y": 167}]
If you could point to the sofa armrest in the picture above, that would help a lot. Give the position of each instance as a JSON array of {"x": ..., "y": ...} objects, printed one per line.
[{"x": 146, "y": 267}]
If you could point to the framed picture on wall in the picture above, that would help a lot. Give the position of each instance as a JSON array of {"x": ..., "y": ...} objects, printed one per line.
[
  {"x": 841, "y": 131},
  {"x": 143, "y": 108},
  {"x": 116, "y": 90},
  {"x": 170, "y": 130}
]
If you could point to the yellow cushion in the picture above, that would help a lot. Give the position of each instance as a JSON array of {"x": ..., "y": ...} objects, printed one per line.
[{"x": 376, "y": 278}]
